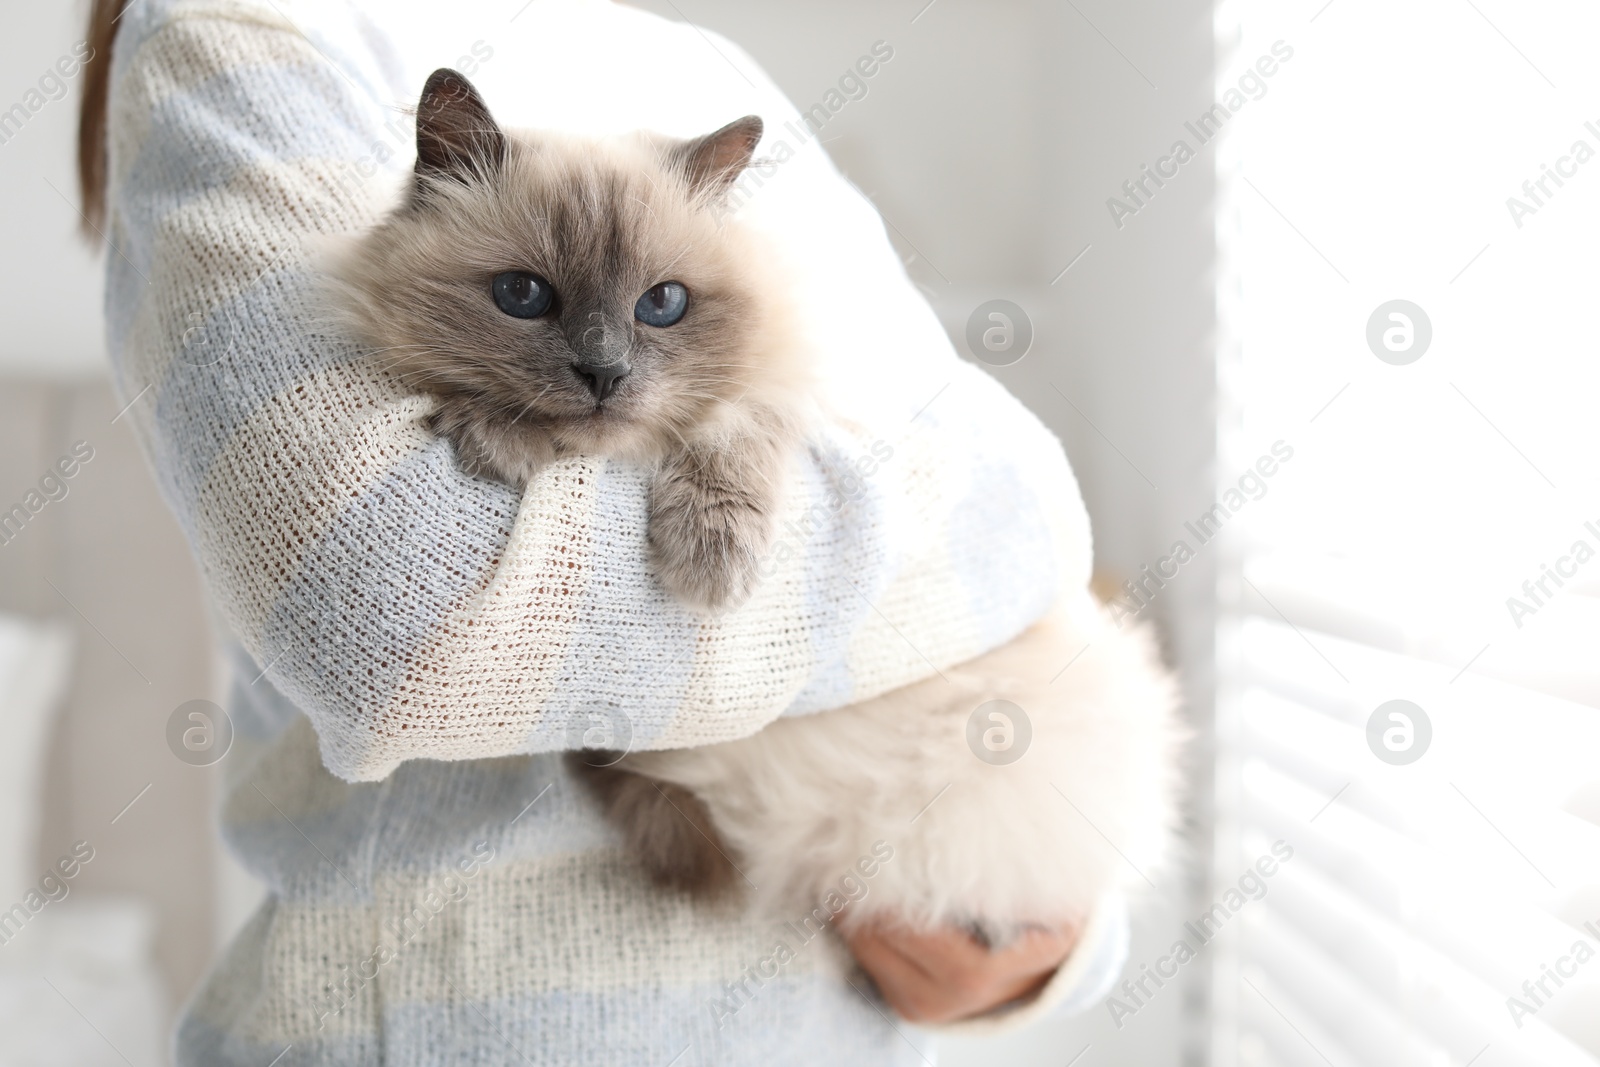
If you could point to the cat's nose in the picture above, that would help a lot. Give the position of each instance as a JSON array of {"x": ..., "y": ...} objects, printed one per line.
[{"x": 602, "y": 377}]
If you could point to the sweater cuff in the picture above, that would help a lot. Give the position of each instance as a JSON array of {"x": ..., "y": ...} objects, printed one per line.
[{"x": 1086, "y": 976}]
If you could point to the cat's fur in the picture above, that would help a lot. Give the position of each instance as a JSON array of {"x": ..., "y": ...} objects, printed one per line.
[
  {"x": 1089, "y": 807},
  {"x": 714, "y": 404}
]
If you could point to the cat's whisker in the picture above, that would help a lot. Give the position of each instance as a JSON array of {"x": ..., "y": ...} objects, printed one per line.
[
  {"x": 712, "y": 397},
  {"x": 528, "y": 407},
  {"x": 707, "y": 380}
]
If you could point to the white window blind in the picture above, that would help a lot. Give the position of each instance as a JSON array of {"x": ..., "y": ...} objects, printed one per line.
[{"x": 1434, "y": 539}]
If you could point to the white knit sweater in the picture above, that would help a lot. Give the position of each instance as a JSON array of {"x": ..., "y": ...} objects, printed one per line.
[{"x": 413, "y": 623}]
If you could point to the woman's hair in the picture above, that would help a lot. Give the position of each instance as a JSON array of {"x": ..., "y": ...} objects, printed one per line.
[{"x": 103, "y": 16}]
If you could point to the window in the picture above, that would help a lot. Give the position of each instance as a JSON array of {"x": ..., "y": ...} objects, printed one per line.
[{"x": 1410, "y": 650}]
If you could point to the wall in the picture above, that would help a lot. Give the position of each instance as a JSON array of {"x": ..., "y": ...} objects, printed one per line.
[{"x": 51, "y": 280}]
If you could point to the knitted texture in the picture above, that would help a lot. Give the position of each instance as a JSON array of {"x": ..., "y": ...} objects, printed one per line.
[
  {"x": 400, "y": 623},
  {"x": 413, "y": 611}
]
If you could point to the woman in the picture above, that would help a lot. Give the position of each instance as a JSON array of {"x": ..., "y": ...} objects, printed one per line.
[{"x": 414, "y": 647}]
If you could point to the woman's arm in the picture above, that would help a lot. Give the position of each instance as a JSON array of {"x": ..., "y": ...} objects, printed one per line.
[{"x": 413, "y": 611}]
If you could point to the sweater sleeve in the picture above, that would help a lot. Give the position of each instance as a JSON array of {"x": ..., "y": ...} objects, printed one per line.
[{"x": 412, "y": 611}]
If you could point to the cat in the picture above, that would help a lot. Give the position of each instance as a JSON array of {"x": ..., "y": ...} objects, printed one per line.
[{"x": 566, "y": 295}]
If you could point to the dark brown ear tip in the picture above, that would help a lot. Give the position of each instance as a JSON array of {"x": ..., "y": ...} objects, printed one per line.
[
  {"x": 447, "y": 84},
  {"x": 443, "y": 76},
  {"x": 751, "y": 126}
]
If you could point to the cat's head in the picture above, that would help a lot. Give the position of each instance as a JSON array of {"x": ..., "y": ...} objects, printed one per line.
[{"x": 588, "y": 287}]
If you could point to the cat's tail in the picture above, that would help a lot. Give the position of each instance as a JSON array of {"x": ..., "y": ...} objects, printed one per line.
[{"x": 665, "y": 826}]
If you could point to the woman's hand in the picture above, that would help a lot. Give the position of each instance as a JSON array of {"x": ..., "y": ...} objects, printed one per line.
[{"x": 947, "y": 975}]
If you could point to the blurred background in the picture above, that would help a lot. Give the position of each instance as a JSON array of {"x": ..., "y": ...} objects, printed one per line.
[{"x": 1181, "y": 330}]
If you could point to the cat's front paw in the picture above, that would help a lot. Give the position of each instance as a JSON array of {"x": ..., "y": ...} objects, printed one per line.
[
  {"x": 707, "y": 542},
  {"x": 511, "y": 454}
]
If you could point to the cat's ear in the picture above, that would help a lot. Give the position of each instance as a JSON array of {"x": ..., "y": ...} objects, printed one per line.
[
  {"x": 456, "y": 136},
  {"x": 711, "y": 163}
]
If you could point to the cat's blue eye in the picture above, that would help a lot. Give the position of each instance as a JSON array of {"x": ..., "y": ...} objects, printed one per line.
[
  {"x": 662, "y": 305},
  {"x": 523, "y": 294}
]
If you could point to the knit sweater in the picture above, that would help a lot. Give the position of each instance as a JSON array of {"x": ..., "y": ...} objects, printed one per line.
[{"x": 415, "y": 646}]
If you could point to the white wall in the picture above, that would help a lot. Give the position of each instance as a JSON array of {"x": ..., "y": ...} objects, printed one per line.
[{"x": 50, "y": 281}]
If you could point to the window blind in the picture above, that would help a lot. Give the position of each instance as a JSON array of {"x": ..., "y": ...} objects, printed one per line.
[{"x": 1410, "y": 651}]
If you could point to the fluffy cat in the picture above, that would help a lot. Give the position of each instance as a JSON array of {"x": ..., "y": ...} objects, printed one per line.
[{"x": 568, "y": 295}]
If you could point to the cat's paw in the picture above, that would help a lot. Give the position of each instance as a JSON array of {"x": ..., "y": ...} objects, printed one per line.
[
  {"x": 510, "y": 454},
  {"x": 706, "y": 543}
]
